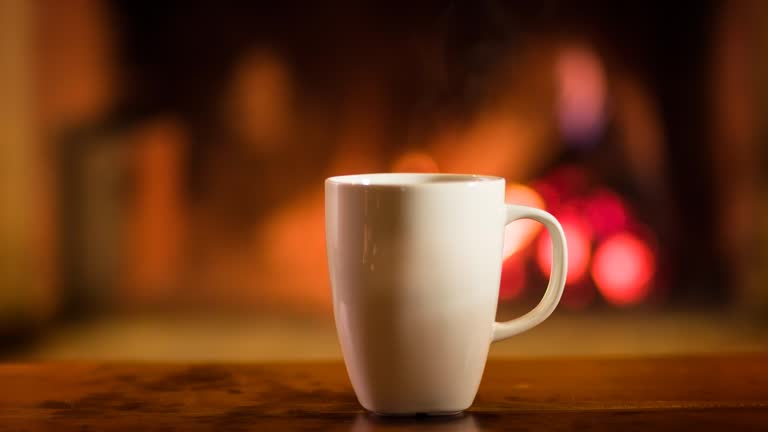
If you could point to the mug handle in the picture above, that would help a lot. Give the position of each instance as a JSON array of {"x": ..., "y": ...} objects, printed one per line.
[{"x": 503, "y": 330}]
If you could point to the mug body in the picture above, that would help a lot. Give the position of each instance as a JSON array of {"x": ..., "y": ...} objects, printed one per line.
[{"x": 415, "y": 262}]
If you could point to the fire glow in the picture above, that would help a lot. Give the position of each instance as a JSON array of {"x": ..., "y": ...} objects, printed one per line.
[
  {"x": 513, "y": 278},
  {"x": 415, "y": 162},
  {"x": 579, "y": 238},
  {"x": 607, "y": 213},
  {"x": 520, "y": 234}
]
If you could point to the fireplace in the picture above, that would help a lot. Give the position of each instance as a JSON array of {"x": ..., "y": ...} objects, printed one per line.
[{"x": 188, "y": 144}]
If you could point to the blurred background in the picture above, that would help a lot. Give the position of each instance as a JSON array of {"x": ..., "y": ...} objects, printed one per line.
[{"x": 162, "y": 166}]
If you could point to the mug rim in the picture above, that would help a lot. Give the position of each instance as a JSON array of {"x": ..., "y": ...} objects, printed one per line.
[{"x": 406, "y": 179}]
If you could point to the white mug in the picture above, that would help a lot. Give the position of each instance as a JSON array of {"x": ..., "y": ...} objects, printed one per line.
[{"x": 415, "y": 263}]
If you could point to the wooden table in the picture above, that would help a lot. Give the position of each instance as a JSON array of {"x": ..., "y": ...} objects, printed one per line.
[{"x": 680, "y": 393}]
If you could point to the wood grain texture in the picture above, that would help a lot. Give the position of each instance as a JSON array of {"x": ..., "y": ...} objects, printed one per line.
[{"x": 705, "y": 393}]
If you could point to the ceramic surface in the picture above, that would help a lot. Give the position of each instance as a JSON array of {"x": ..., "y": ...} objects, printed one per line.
[{"x": 415, "y": 263}]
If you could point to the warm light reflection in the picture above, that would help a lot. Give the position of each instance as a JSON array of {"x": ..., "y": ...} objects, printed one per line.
[
  {"x": 582, "y": 83},
  {"x": 622, "y": 269},
  {"x": 519, "y": 234},
  {"x": 415, "y": 162},
  {"x": 578, "y": 237}
]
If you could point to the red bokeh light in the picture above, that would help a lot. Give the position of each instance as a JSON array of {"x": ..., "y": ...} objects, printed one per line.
[
  {"x": 570, "y": 181},
  {"x": 622, "y": 269},
  {"x": 607, "y": 213},
  {"x": 512, "y": 278},
  {"x": 549, "y": 193},
  {"x": 579, "y": 239}
]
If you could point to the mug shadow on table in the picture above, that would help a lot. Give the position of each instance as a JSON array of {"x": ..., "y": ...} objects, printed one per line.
[{"x": 464, "y": 422}]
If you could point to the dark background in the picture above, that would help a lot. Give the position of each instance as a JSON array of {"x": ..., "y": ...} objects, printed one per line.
[{"x": 164, "y": 165}]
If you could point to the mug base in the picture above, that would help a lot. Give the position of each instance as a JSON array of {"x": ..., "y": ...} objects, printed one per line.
[{"x": 420, "y": 414}]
